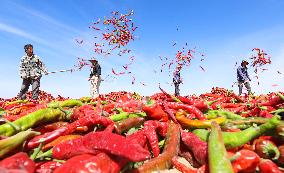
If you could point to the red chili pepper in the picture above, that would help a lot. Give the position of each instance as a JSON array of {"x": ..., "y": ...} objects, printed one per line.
[
  {"x": 182, "y": 167},
  {"x": 267, "y": 166},
  {"x": 89, "y": 163},
  {"x": 156, "y": 112},
  {"x": 170, "y": 112},
  {"x": 265, "y": 114},
  {"x": 196, "y": 146},
  {"x": 91, "y": 117},
  {"x": 102, "y": 141},
  {"x": 266, "y": 149},
  {"x": 128, "y": 123},
  {"x": 281, "y": 157},
  {"x": 188, "y": 108},
  {"x": 273, "y": 101},
  {"x": 47, "y": 166},
  {"x": 59, "y": 140},
  {"x": 235, "y": 110},
  {"x": 138, "y": 137},
  {"x": 245, "y": 161},
  {"x": 163, "y": 161},
  {"x": 19, "y": 161}
]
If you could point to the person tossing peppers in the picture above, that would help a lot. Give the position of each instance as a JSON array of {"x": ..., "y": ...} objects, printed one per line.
[
  {"x": 243, "y": 77},
  {"x": 95, "y": 78},
  {"x": 177, "y": 79},
  {"x": 30, "y": 70}
]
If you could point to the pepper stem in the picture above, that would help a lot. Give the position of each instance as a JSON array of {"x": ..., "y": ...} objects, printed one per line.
[
  {"x": 235, "y": 156},
  {"x": 14, "y": 126},
  {"x": 37, "y": 150},
  {"x": 271, "y": 149}
]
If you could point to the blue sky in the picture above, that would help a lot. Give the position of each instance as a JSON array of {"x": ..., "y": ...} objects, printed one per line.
[{"x": 224, "y": 30}]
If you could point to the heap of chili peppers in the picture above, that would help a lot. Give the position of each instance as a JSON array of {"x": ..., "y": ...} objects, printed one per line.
[{"x": 214, "y": 132}]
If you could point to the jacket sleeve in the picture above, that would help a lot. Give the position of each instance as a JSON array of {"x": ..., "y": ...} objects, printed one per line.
[
  {"x": 22, "y": 69},
  {"x": 42, "y": 65},
  {"x": 98, "y": 69}
]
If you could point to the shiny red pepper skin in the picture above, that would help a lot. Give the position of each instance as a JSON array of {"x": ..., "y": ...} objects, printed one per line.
[
  {"x": 88, "y": 163},
  {"x": 47, "y": 166},
  {"x": 91, "y": 117},
  {"x": 155, "y": 112},
  {"x": 19, "y": 161},
  {"x": 198, "y": 147},
  {"x": 267, "y": 166},
  {"x": 188, "y": 108},
  {"x": 104, "y": 142},
  {"x": 150, "y": 128},
  {"x": 246, "y": 161}
]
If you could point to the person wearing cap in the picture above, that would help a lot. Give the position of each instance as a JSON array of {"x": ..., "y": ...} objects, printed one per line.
[
  {"x": 177, "y": 79},
  {"x": 95, "y": 78},
  {"x": 243, "y": 77},
  {"x": 31, "y": 69}
]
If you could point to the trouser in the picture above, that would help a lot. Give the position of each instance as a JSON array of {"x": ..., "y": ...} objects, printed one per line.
[
  {"x": 95, "y": 84},
  {"x": 25, "y": 87},
  {"x": 247, "y": 85},
  {"x": 176, "y": 88}
]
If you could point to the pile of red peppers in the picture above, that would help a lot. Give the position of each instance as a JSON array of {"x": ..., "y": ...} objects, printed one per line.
[{"x": 217, "y": 131}]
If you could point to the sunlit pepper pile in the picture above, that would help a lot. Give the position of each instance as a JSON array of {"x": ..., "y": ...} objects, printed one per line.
[{"x": 215, "y": 132}]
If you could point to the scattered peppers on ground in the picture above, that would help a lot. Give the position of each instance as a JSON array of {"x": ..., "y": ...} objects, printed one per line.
[{"x": 214, "y": 132}]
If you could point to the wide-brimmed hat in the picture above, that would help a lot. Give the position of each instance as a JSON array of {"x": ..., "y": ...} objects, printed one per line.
[{"x": 93, "y": 60}]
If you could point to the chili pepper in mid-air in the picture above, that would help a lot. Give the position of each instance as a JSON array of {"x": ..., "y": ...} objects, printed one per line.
[
  {"x": 196, "y": 146},
  {"x": 188, "y": 108},
  {"x": 188, "y": 123},
  {"x": 236, "y": 139},
  {"x": 267, "y": 166},
  {"x": 128, "y": 123},
  {"x": 18, "y": 162},
  {"x": 163, "y": 161},
  {"x": 11, "y": 143},
  {"x": 31, "y": 120},
  {"x": 217, "y": 154},
  {"x": 266, "y": 149},
  {"x": 245, "y": 161},
  {"x": 104, "y": 141},
  {"x": 89, "y": 163}
]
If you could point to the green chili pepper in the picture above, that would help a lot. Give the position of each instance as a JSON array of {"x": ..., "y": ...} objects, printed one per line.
[
  {"x": 125, "y": 115},
  {"x": 31, "y": 120},
  {"x": 65, "y": 103},
  {"x": 211, "y": 114},
  {"x": 217, "y": 154},
  {"x": 9, "y": 144},
  {"x": 250, "y": 120},
  {"x": 235, "y": 139}
]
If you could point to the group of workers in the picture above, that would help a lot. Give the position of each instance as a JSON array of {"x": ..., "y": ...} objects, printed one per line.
[{"x": 32, "y": 68}]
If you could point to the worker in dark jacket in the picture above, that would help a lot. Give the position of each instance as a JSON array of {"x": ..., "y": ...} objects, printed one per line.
[
  {"x": 95, "y": 78},
  {"x": 177, "y": 79},
  {"x": 243, "y": 77}
]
